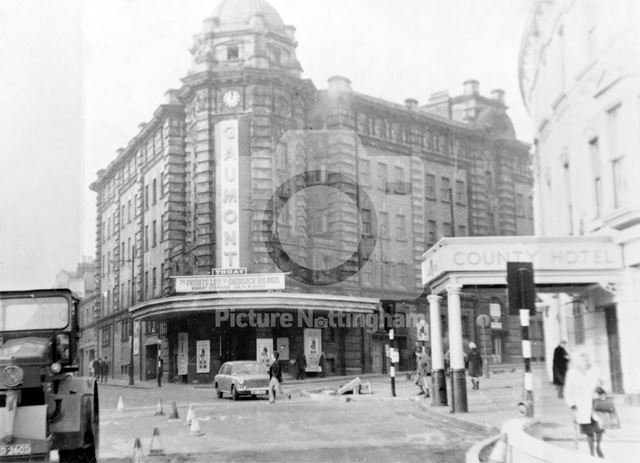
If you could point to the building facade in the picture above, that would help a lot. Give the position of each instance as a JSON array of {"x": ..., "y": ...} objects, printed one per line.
[
  {"x": 579, "y": 77},
  {"x": 83, "y": 281},
  {"x": 313, "y": 203}
]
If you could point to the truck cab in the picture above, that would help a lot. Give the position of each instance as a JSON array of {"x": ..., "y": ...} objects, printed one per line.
[{"x": 44, "y": 405}]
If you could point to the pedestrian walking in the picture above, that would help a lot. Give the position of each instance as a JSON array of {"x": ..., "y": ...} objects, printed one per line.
[
  {"x": 424, "y": 371},
  {"x": 301, "y": 366},
  {"x": 104, "y": 370},
  {"x": 95, "y": 368},
  {"x": 583, "y": 383},
  {"x": 560, "y": 365},
  {"x": 323, "y": 364},
  {"x": 160, "y": 371},
  {"x": 474, "y": 360},
  {"x": 275, "y": 378}
]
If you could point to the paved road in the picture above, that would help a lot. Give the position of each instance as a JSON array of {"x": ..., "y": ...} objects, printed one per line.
[{"x": 369, "y": 428}]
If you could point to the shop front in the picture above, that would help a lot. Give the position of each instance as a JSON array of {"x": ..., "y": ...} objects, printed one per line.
[{"x": 204, "y": 330}]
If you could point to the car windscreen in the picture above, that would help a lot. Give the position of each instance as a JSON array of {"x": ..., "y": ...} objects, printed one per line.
[
  {"x": 248, "y": 369},
  {"x": 33, "y": 313}
]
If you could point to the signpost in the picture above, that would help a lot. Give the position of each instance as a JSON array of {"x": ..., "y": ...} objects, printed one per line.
[{"x": 521, "y": 289}]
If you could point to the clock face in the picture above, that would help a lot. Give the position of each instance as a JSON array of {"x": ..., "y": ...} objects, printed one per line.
[{"x": 231, "y": 98}]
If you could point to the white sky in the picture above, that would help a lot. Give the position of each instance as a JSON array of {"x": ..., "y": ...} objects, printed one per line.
[{"x": 77, "y": 77}]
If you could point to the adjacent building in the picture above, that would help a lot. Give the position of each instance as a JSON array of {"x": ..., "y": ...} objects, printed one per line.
[
  {"x": 251, "y": 193},
  {"x": 579, "y": 78}
]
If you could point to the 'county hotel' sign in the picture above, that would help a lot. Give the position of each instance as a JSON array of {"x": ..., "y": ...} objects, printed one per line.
[{"x": 478, "y": 255}]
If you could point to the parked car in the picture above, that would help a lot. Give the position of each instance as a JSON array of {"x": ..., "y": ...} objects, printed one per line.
[{"x": 246, "y": 377}]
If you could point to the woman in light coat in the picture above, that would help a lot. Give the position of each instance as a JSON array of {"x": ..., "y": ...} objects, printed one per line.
[{"x": 579, "y": 391}]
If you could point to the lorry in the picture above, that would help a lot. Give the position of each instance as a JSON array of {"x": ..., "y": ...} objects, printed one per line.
[{"x": 44, "y": 404}]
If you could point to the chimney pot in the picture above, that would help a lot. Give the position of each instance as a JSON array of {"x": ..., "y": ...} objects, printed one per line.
[
  {"x": 411, "y": 103},
  {"x": 498, "y": 95},
  {"x": 471, "y": 87}
]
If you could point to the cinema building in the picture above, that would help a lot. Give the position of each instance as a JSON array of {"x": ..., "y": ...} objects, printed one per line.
[
  {"x": 252, "y": 192},
  {"x": 579, "y": 78}
]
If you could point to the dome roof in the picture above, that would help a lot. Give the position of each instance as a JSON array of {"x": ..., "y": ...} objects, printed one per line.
[
  {"x": 239, "y": 12},
  {"x": 496, "y": 122}
]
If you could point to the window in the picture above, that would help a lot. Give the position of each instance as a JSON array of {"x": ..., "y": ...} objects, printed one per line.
[
  {"x": 399, "y": 174},
  {"x": 619, "y": 182},
  {"x": 365, "y": 172},
  {"x": 283, "y": 216},
  {"x": 106, "y": 335},
  {"x": 129, "y": 211},
  {"x": 154, "y": 237},
  {"x": 401, "y": 225},
  {"x": 578, "y": 319},
  {"x": 154, "y": 193},
  {"x": 446, "y": 229},
  {"x": 382, "y": 176},
  {"x": 366, "y": 222},
  {"x": 597, "y": 175},
  {"x": 128, "y": 248},
  {"x": 319, "y": 222},
  {"x": 384, "y": 224},
  {"x": 122, "y": 217},
  {"x": 161, "y": 186},
  {"x": 153, "y": 281},
  {"x": 460, "y": 193},
  {"x": 146, "y": 284},
  {"x": 233, "y": 52},
  {"x": 462, "y": 230},
  {"x": 122, "y": 255},
  {"x": 161, "y": 276},
  {"x": 520, "y": 205},
  {"x": 430, "y": 186},
  {"x": 282, "y": 157},
  {"x": 122, "y": 294},
  {"x": 146, "y": 237},
  {"x": 445, "y": 189},
  {"x": 401, "y": 270},
  {"x": 136, "y": 211},
  {"x": 146, "y": 197},
  {"x": 108, "y": 262},
  {"x": 431, "y": 231}
]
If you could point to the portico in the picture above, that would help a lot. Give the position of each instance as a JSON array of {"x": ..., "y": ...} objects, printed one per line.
[{"x": 572, "y": 266}]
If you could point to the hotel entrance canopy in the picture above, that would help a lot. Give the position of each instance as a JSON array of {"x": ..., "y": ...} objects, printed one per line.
[{"x": 557, "y": 261}]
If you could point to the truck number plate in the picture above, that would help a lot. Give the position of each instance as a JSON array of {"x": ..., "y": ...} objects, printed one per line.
[{"x": 13, "y": 450}]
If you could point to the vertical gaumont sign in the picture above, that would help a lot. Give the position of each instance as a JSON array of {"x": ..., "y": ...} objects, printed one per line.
[{"x": 228, "y": 191}]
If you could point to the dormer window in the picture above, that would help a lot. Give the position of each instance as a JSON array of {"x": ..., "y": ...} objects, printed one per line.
[{"x": 233, "y": 52}]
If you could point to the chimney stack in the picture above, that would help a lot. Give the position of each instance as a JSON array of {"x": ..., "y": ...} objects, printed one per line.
[{"x": 471, "y": 87}]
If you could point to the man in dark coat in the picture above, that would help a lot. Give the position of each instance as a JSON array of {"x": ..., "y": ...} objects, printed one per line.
[
  {"x": 301, "y": 366},
  {"x": 475, "y": 365},
  {"x": 560, "y": 365}
]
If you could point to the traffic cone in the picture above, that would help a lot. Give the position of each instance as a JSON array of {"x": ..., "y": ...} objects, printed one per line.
[
  {"x": 159, "y": 409},
  {"x": 499, "y": 452},
  {"x": 155, "y": 448},
  {"x": 191, "y": 414},
  {"x": 138, "y": 455},
  {"x": 174, "y": 413},
  {"x": 194, "y": 430},
  {"x": 120, "y": 404}
]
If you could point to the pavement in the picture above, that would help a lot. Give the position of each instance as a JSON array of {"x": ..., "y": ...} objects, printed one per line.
[{"x": 489, "y": 407}]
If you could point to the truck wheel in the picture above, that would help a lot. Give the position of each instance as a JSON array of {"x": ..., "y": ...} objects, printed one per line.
[
  {"x": 234, "y": 392},
  {"x": 86, "y": 455}
]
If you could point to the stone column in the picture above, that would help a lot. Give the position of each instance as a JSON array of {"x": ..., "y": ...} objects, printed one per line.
[
  {"x": 456, "y": 352},
  {"x": 438, "y": 382}
]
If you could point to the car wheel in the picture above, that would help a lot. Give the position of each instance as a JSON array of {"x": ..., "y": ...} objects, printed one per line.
[
  {"x": 234, "y": 392},
  {"x": 218, "y": 391}
]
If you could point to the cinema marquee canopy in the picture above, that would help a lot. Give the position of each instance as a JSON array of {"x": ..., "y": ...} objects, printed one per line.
[{"x": 570, "y": 260}]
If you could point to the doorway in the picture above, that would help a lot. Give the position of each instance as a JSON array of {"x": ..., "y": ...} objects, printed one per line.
[{"x": 151, "y": 357}]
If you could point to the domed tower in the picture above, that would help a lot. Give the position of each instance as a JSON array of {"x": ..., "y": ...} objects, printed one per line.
[
  {"x": 245, "y": 33},
  {"x": 242, "y": 92}
]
